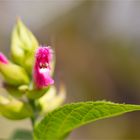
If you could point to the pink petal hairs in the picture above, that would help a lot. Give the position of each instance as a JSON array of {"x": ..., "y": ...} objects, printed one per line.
[
  {"x": 3, "y": 58},
  {"x": 41, "y": 73}
]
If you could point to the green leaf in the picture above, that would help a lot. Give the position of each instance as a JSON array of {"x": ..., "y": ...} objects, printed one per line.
[{"x": 57, "y": 124}]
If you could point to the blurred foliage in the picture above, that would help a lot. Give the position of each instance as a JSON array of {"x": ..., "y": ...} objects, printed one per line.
[{"x": 21, "y": 134}]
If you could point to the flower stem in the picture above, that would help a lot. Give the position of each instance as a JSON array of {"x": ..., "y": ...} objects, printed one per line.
[
  {"x": 34, "y": 117},
  {"x": 32, "y": 121}
]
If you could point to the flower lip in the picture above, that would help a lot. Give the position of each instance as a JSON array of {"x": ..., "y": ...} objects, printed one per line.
[{"x": 3, "y": 58}]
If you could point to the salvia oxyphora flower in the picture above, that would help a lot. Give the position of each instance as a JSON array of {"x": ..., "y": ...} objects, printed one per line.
[{"x": 42, "y": 67}]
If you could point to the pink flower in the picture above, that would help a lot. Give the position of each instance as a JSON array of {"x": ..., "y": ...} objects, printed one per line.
[
  {"x": 42, "y": 67},
  {"x": 3, "y": 58}
]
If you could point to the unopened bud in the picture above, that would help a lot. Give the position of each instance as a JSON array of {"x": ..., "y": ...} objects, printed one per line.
[
  {"x": 14, "y": 109},
  {"x": 23, "y": 47},
  {"x": 12, "y": 74}
]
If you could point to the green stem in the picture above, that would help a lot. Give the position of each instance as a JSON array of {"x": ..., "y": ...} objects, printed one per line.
[
  {"x": 34, "y": 117},
  {"x": 32, "y": 121}
]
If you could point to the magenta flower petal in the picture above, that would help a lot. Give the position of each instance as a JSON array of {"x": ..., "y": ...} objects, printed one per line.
[
  {"x": 42, "y": 67},
  {"x": 3, "y": 58}
]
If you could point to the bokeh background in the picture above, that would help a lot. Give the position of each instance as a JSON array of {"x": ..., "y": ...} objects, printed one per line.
[{"x": 97, "y": 45}]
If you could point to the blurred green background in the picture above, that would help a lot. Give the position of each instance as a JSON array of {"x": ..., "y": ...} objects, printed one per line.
[{"x": 97, "y": 45}]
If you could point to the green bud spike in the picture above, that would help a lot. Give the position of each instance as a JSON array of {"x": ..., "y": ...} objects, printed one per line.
[
  {"x": 23, "y": 47},
  {"x": 14, "y": 109},
  {"x": 14, "y": 74}
]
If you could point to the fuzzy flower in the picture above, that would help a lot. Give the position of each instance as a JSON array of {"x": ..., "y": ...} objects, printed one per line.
[
  {"x": 3, "y": 59},
  {"x": 42, "y": 67}
]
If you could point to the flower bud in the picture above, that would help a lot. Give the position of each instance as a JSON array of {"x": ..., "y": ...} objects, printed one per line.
[
  {"x": 12, "y": 74},
  {"x": 23, "y": 47},
  {"x": 42, "y": 68},
  {"x": 14, "y": 109},
  {"x": 3, "y": 59},
  {"x": 52, "y": 99}
]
